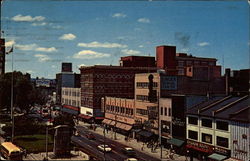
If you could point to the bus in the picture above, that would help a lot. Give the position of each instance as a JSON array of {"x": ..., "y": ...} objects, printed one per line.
[{"x": 10, "y": 151}]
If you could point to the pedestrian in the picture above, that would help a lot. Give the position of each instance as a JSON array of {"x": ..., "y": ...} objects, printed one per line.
[{"x": 142, "y": 147}]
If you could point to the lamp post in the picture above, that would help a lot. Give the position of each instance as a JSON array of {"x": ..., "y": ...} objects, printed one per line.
[
  {"x": 104, "y": 140},
  {"x": 47, "y": 131}
]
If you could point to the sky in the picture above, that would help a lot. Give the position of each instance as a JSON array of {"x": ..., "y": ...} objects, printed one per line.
[{"x": 46, "y": 33}]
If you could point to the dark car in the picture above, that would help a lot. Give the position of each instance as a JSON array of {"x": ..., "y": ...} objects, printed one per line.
[
  {"x": 90, "y": 136},
  {"x": 128, "y": 151}
]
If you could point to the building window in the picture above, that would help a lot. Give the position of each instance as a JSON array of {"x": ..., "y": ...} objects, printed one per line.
[
  {"x": 221, "y": 141},
  {"x": 169, "y": 112},
  {"x": 189, "y": 63},
  {"x": 181, "y": 71},
  {"x": 161, "y": 110},
  {"x": 166, "y": 111},
  {"x": 193, "y": 135},
  {"x": 180, "y": 63},
  {"x": 206, "y": 123},
  {"x": 222, "y": 125},
  {"x": 192, "y": 120},
  {"x": 206, "y": 138}
]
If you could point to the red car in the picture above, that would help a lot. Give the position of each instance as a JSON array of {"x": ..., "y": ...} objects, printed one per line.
[{"x": 90, "y": 136}]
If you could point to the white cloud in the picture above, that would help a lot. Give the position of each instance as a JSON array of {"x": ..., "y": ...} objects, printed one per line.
[
  {"x": 67, "y": 37},
  {"x": 53, "y": 66},
  {"x": 79, "y": 66},
  {"x": 39, "y": 24},
  {"x": 42, "y": 58},
  {"x": 89, "y": 54},
  {"x": 119, "y": 15},
  {"x": 47, "y": 50},
  {"x": 26, "y": 47},
  {"x": 9, "y": 43},
  {"x": 35, "y": 47},
  {"x": 143, "y": 20},
  {"x": 96, "y": 44},
  {"x": 131, "y": 52},
  {"x": 141, "y": 46},
  {"x": 28, "y": 18},
  {"x": 203, "y": 44}
]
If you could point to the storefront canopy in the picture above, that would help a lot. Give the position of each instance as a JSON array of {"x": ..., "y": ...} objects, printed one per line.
[
  {"x": 175, "y": 142},
  {"x": 70, "y": 111},
  {"x": 217, "y": 156},
  {"x": 85, "y": 116},
  {"x": 106, "y": 121}
]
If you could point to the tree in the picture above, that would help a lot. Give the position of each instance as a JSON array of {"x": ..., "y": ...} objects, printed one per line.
[{"x": 24, "y": 93}]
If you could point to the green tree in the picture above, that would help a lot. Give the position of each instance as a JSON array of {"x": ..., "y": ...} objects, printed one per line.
[{"x": 24, "y": 93}]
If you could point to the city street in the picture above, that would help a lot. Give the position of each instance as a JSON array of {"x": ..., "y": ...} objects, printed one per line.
[{"x": 116, "y": 153}]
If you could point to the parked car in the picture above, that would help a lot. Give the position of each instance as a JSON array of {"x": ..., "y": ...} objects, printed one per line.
[
  {"x": 106, "y": 149},
  {"x": 90, "y": 136},
  {"x": 128, "y": 151},
  {"x": 131, "y": 159}
]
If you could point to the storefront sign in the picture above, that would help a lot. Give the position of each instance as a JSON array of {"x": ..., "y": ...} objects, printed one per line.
[
  {"x": 222, "y": 151},
  {"x": 178, "y": 122},
  {"x": 169, "y": 83},
  {"x": 199, "y": 146}
]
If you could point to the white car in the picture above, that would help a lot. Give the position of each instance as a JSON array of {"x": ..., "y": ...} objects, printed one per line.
[
  {"x": 131, "y": 159},
  {"x": 106, "y": 149}
]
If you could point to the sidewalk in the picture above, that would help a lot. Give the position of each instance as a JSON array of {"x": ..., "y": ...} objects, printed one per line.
[
  {"x": 41, "y": 156},
  {"x": 136, "y": 145}
]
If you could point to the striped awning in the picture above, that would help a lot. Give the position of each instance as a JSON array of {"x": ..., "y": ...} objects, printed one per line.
[{"x": 106, "y": 121}]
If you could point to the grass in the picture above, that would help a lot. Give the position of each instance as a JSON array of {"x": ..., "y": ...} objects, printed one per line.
[{"x": 34, "y": 143}]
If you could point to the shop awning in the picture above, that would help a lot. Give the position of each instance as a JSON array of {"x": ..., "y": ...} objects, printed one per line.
[
  {"x": 217, "y": 156},
  {"x": 145, "y": 133},
  {"x": 125, "y": 127},
  {"x": 106, "y": 121},
  {"x": 70, "y": 111},
  {"x": 99, "y": 118},
  {"x": 176, "y": 142},
  {"x": 85, "y": 116},
  {"x": 112, "y": 123},
  {"x": 118, "y": 124}
]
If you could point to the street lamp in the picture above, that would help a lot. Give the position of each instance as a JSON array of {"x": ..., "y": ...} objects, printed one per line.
[{"x": 104, "y": 140}]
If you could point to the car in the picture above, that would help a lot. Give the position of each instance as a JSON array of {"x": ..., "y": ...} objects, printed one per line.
[
  {"x": 90, "y": 136},
  {"x": 130, "y": 159},
  {"x": 128, "y": 151},
  {"x": 104, "y": 148}
]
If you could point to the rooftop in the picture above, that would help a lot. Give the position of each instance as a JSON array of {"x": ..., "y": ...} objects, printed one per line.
[{"x": 229, "y": 108}]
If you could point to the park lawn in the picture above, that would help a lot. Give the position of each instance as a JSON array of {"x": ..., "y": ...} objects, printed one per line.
[{"x": 34, "y": 143}]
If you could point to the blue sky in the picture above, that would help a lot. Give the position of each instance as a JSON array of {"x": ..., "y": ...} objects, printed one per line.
[{"x": 46, "y": 33}]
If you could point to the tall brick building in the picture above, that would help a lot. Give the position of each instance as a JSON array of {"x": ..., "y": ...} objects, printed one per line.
[
  {"x": 186, "y": 65},
  {"x": 99, "y": 81}
]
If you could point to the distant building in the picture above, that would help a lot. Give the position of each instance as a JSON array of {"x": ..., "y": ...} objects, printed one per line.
[
  {"x": 238, "y": 81},
  {"x": 173, "y": 63},
  {"x": 71, "y": 100},
  {"x": 137, "y": 61},
  {"x": 219, "y": 128},
  {"x": 2, "y": 56},
  {"x": 66, "y": 79},
  {"x": 99, "y": 81}
]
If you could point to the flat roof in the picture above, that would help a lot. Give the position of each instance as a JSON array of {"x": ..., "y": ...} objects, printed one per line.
[{"x": 229, "y": 108}]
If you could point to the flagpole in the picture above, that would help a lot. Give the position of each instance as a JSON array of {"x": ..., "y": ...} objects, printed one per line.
[{"x": 12, "y": 95}]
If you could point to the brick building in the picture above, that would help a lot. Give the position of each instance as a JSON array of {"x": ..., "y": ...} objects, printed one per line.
[
  {"x": 99, "y": 81},
  {"x": 137, "y": 61},
  {"x": 186, "y": 65}
]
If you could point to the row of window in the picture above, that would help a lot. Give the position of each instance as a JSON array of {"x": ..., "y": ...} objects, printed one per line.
[
  {"x": 70, "y": 102},
  {"x": 142, "y": 111},
  {"x": 165, "y": 111},
  {"x": 208, "y": 138},
  {"x": 182, "y": 63},
  {"x": 142, "y": 97},
  {"x": 122, "y": 110},
  {"x": 69, "y": 93},
  {"x": 220, "y": 125},
  {"x": 145, "y": 84}
]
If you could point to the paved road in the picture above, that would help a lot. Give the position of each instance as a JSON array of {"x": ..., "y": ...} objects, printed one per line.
[{"x": 116, "y": 153}]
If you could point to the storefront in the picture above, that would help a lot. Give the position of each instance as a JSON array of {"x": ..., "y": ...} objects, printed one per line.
[
  {"x": 70, "y": 110},
  {"x": 198, "y": 150}
]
